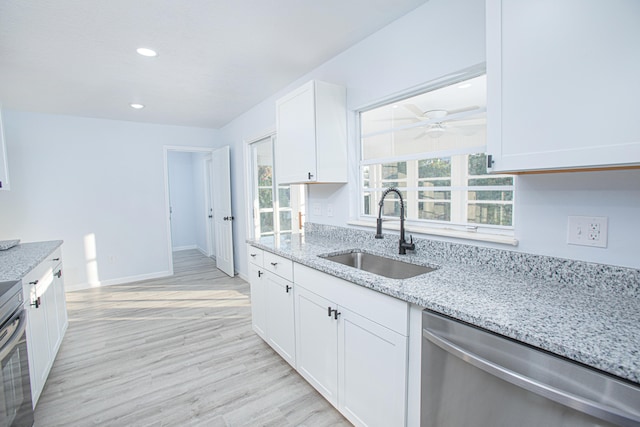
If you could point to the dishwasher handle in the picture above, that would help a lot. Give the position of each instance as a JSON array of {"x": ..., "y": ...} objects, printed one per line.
[{"x": 604, "y": 412}]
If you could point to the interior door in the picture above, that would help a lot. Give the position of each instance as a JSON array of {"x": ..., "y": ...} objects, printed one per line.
[{"x": 222, "y": 214}]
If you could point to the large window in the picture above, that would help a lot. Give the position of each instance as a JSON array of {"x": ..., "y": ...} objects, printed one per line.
[
  {"x": 431, "y": 147},
  {"x": 276, "y": 208}
]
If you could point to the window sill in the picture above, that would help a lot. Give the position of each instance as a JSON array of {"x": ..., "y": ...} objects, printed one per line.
[{"x": 444, "y": 232}]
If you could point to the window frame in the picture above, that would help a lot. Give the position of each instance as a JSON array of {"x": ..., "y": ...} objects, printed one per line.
[{"x": 487, "y": 232}]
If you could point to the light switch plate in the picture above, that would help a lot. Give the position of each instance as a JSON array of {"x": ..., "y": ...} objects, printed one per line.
[
  {"x": 316, "y": 209},
  {"x": 587, "y": 231}
]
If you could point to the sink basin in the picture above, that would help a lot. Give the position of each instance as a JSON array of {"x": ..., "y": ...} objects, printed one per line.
[{"x": 379, "y": 265}]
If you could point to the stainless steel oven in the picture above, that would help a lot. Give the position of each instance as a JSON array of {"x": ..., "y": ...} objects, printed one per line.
[{"x": 15, "y": 390}]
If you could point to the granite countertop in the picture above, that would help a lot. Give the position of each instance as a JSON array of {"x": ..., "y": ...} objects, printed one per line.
[
  {"x": 19, "y": 260},
  {"x": 593, "y": 322}
]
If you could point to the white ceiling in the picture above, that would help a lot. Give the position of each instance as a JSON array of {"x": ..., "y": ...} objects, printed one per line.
[{"x": 217, "y": 58}]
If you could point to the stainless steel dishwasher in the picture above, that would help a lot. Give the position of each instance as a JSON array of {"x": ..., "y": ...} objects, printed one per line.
[{"x": 472, "y": 377}]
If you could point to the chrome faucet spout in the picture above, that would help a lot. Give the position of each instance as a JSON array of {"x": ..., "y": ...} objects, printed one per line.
[{"x": 403, "y": 245}]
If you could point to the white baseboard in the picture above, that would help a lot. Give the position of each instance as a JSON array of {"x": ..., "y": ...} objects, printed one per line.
[
  {"x": 185, "y": 248},
  {"x": 118, "y": 281},
  {"x": 242, "y": 276}
]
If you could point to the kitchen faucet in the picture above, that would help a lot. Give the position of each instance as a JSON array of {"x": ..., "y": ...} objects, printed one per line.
[{"x": 403, "y": 245}]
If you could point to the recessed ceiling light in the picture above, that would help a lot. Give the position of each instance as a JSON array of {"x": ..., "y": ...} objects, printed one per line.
[
  {"x": 146, "y": 52},
  {"x": 136, "y": 106},
  {"x": 464, "y": 85}
]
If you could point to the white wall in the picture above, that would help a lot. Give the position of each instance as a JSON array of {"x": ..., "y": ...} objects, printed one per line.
[
  {"x": 183, "y": 198},
  {"x": 92, "y": 180},
  {"x": 442, "y": 37}
]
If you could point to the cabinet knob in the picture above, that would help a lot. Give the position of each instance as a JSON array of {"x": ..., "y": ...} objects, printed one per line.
[
  {"x": 288, "y": 288},
  {"x": 35, "y": 282}
]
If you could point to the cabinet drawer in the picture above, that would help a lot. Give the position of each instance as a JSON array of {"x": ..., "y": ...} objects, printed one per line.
[
  {"x": 387, "y": 311},
  {"x": 55, "y": 258},
  {"x": 278, "y": 265},
  {"x": 255, "y": 255}
]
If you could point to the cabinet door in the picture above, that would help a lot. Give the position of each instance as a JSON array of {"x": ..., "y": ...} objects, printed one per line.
[
  {"x": 280, "y": 316},
  {"x": 372, "y": 363},
  {"x": 50, "y": 307},
  {"x": 60, "y": 318},
  {"x": 316, "y": 343},
  {"x": 296, "y": 142},
  {"x": 258, "y": 301},
  {"x": 38, "y": 347},
  {"x": 562, "y": 83}
]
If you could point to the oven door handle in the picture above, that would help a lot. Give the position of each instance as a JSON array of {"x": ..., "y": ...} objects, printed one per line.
[
  {"x": 17, "y": 334},
  {"x": 565, "y": 398}
]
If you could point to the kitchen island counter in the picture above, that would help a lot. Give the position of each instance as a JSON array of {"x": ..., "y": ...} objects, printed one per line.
[
  {"x": 20, "y": 259},
  {"x": 586, "y": 312}
]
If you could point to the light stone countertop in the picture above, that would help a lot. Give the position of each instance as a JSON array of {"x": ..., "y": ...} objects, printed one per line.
[
  {"x": 595, "y": 321},
  {"x": 21, "y": 259}
]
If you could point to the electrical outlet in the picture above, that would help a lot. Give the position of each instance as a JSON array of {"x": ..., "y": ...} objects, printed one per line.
[
  {"x": 587, "y": 231},
  {"x": 329, "y": 209}
]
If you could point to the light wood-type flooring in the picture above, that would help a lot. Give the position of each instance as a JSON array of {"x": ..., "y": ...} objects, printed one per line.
[{"x": 177, "y": 351}]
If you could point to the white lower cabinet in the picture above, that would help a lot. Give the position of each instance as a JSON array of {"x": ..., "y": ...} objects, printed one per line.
[
  {"x": 280, "y": 316},
  {"x": 317, "y": 343},
  {"x": 47, "y": 321},
  {"x": 352, "y": 349},
  {"x": 272, "y": 301},
  {"x": 349, "y": 342}
]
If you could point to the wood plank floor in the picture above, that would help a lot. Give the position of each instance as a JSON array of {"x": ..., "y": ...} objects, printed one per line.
[{"x": 177, "y": 351}]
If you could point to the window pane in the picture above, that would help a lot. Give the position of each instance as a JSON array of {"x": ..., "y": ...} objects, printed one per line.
[
  {"x": 478, "y": 164},
  {"x": 265, "y": 198},
  {"x": 285, "y": 221},
  {"x": 496, "y": 195},
  {"x": 284, "y": 198},
  {"x": 439, "y": 211},
  {"x": 394, "y": 170},
  {"x": 493, "y": 214},
  {"x": 434, "y": 168},
  {"x": 266, "y": 222},
  {"x": 264, "y": 175},
  {"x": 507, "y": 180},
  {"x": 365, "y": 176}
]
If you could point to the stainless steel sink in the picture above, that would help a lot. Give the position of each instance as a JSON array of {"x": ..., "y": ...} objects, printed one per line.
[{"x": 380, "y": 265}]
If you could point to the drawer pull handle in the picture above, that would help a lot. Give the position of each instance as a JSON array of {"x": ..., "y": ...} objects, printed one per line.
[
  {"x": 288, "y": 288},
  {"x": 56, "y": 259},
  {"x": 329, "y": 310},
  {"x": 336, "y": 313},
  {"x": 253, "y": 255},
  {"x": 260, "y": 273},
  {"x": 36, "y": 303},
  {"x": 35, "y": 282},
  {"x": 274, "y": 263}
]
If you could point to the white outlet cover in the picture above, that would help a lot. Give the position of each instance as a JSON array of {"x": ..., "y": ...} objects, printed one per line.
[{"x": 587, "y": 231}]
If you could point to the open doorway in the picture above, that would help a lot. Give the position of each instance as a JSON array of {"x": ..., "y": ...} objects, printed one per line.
[{"x": 198, "y": 203}]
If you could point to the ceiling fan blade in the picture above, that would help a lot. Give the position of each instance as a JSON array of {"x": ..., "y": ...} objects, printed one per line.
[
  {"x": 463, "y": 110},
  {"x": 415, "y": 110}
]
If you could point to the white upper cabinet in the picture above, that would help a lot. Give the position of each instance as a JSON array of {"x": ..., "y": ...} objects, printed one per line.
[
  {"x": 562, "y": 84},
  {"x": 311, "y": 144},
  {"x": 4, "y": 171}
]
